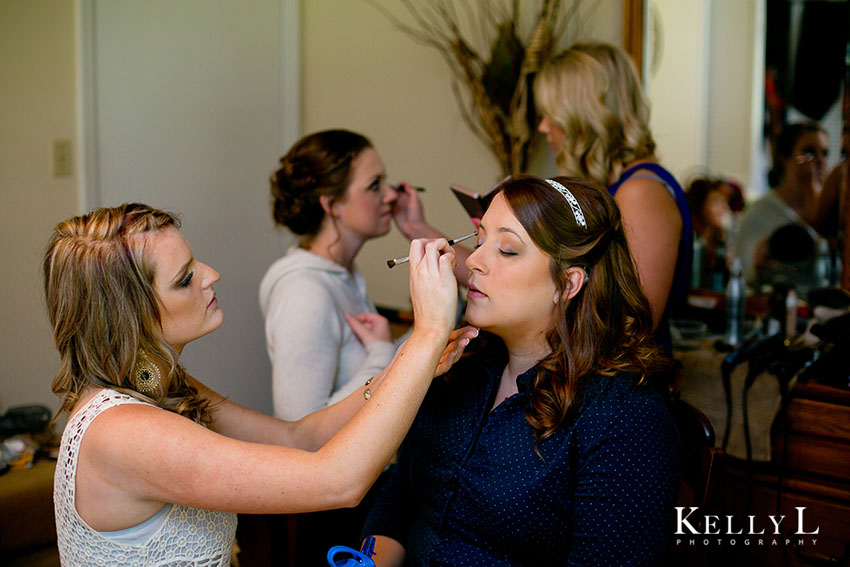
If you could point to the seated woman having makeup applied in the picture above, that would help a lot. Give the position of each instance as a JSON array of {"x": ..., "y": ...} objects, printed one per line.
[
  {"x": 153, "y": 465},
  {"x": 550, "y": 442}
]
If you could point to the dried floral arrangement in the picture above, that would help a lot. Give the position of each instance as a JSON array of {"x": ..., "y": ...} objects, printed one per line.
[{"x": 492, "y": 66}]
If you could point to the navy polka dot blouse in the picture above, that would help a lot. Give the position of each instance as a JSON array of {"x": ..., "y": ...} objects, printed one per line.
[{"x": 469, "y": 490}]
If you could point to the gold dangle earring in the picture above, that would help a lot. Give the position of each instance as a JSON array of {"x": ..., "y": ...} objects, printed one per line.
[{"x": 147, "y": 374}]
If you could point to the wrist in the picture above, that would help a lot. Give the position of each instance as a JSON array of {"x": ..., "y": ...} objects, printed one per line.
[
  {"x": 419, "y": 229},
  {"x": 430, "y": 334}
]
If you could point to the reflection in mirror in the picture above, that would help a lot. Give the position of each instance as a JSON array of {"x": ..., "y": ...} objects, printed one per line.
[
  {"x": 706, "y": 65},
  {"x": 725, "y": 78},
  {"x": 804, "y": 67}
]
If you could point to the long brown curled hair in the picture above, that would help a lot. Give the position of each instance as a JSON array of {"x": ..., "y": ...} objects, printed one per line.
[
  {"x": 606, "y": 328},
  {"x": 98, "y": 285}
]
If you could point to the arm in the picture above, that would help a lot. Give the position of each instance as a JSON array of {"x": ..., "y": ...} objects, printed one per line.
[
  {"x": 373, "y": 331},
  {"x": 388, "y": 552},
  {"x": 825, "y": 221},
  {"x": 625, "y": 519},
  {"x": 392, "y": 514},
  {"x": 155, "y": 455},
  {"x": 409, "y": 217},
  {"x": 653, "y": 228},
  {"x": 313, "y": 430}
]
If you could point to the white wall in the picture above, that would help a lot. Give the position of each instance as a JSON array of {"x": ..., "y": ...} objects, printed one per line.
[
  {"x": 678, "y": 86},
  {"x": 735, "y": 71},
  {"x": 37, "y": 105},
  {"x": 187, "y": 117},
  {"x": 707, "y": 90},
  {"x": 363, "y": 74},
  {"x": 216, "y": 130}
]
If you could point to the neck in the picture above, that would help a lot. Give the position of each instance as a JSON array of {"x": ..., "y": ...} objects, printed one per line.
[
  {"x": 337, "y": 247},
  {"x": 523, "y": 355}
]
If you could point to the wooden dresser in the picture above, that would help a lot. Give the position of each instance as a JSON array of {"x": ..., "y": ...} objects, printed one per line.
[{"x": 810, "y": 468}]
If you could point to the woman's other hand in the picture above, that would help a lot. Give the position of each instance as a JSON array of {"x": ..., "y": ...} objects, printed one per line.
[
  {"x": 409, "y": 214},
  {"x": 370, "y": 327},
  {"x": 453, "y": 351},
  {"x": 433, "y": 287}
]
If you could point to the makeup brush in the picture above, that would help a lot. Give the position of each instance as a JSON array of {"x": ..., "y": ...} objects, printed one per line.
[
  {"x": 400, "y": 187},
  {"x": 396, "y": 261}
]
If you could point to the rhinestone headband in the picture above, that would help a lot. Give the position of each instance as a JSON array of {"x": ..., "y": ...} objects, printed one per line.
[{"x": 577, "y": 212}]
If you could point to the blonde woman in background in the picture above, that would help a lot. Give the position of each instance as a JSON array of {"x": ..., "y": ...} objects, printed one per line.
[
  {"x": 596, "y": 119},
  {"x": 153, "y": 465}
]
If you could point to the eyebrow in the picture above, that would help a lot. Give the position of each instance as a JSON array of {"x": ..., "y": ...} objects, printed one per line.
[
  {"x": 481, "y": 227},
  {"x": 182, "y": 273},
  {"x": 515, "y": 233}
]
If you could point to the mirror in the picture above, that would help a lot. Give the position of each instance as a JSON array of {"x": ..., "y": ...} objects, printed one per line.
[{"x": 730, "y": 73}]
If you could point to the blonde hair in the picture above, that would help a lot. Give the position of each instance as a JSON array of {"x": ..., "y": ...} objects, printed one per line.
[
  {"x": 98, "y": 286},
  {"x": 592, "y": 91}
]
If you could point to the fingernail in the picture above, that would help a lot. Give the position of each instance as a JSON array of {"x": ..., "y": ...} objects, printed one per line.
[{"x": 464, "y": 341}]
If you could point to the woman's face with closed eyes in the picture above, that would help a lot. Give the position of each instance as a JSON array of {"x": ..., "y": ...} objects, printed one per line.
[{"x": 511, "y": 291}]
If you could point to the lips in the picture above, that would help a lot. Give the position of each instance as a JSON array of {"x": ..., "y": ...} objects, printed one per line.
[
  {"x": 212, "y": 302},
  {"x": 474, "y": 293}
]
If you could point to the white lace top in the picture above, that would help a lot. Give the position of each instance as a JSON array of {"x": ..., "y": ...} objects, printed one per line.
[{"x": 189, "y": 537}]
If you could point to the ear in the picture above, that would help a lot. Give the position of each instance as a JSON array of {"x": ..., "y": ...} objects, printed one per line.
[
  {"x": 327, "y": 203},
  {"x": 576, "y": 276}
]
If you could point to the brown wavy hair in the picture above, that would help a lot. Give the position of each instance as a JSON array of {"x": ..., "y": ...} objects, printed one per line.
[
  {"x": 316, "y": 165},
  {"x": 592, "y": 91},
  {"x": 605, "y": 329},
  {"x": 98, "y": 285}
]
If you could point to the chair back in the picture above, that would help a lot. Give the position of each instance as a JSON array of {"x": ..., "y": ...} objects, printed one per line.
[
  {"x": 700, "y": 468},
  {"x": 698, "y": 453}
]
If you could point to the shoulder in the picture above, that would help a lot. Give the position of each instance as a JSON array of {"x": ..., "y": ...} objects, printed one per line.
[
  {"x": 126, "y": 425},
  {"x": 120, "y": 430},
  {"x": 617, "y": 407},
  {"x": 645, "y": 191},
  {"x": 766, "y": 214},
  {"x": 294, "y": 283}
]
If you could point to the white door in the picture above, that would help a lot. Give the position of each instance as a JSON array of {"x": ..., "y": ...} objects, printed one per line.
[{"x": 187, "y": 106}]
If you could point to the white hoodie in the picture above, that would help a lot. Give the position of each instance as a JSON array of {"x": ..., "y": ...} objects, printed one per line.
[{"x": 316, "y": 358}]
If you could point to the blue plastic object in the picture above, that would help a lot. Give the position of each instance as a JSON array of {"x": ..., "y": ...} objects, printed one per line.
[{"x": 352, "y": 557}]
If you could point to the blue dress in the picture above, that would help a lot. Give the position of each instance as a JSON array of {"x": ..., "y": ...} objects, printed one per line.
[
  {"x": 684, "y": 258},
  {"x": 469, "y": 488}
]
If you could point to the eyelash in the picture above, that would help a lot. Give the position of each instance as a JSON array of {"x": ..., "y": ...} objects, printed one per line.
[
  {"x": 187, "y": 280},
  {"x": 375, "y": 186}
]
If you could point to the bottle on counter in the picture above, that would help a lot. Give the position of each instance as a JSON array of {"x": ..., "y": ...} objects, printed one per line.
[
  {"x": 697, "y": 266},
  {"x": 791, "y": 302},
  {"x": 736, "y": 291},
  {"x": 823, "y": 265},
  {"x": 719, "y": 269}
]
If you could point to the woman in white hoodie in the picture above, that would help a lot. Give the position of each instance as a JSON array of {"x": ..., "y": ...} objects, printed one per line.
[{"x": 331, "y": 191}]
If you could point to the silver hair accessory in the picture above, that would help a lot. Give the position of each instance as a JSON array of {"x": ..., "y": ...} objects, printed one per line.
[{"x": 577, "y": 212}]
